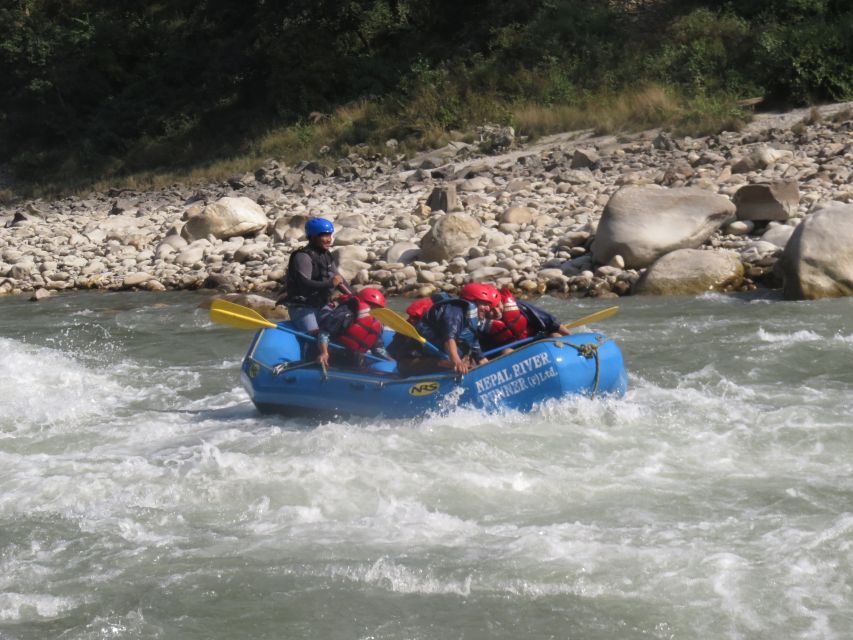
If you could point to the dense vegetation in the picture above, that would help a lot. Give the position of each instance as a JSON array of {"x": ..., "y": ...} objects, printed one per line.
[{"x": 95, "y": 89}]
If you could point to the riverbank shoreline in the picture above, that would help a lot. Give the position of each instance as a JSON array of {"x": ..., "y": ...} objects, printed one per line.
[{"x": 526, "y": 216}]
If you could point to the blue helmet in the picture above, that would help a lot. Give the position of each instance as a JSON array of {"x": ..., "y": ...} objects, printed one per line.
[{"x": 316, "y": 226}]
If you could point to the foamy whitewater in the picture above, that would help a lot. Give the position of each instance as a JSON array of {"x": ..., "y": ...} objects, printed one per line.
[{"x": 142, "y": 496}]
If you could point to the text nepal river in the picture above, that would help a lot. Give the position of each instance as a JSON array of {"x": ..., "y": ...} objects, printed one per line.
[{"x": 142, "y": 496}]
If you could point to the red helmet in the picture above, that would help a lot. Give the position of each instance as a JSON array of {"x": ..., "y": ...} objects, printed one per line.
[
  {"x": 477, "y": 292},
  {"x": 372, "y": 296}
]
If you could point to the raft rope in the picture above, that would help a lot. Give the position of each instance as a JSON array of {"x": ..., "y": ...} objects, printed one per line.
[
  {"x": 284, "y": 367},
  {"x": 590, "y": 350}
]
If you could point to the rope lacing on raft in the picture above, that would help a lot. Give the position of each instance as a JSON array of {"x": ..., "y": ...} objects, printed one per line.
[{"x": 590, "y": 350}]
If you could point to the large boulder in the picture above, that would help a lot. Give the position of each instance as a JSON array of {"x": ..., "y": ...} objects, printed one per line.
[
  {"x": 818, "y": 259},
  {"x": 350, "y": 267},
  {"x": 225, "y": 218},
  {"x": 350, "y": 260},
  {"x": 451, "y": 235},
  {"x": 349, "y": 252},
  {"x": 404, "y": 252},
  {"x": 642, "y": 224},
  {"x": 690, "y": 272},
  {"x": 776, "y": 201},
  {"x": 289, "y": 228}
]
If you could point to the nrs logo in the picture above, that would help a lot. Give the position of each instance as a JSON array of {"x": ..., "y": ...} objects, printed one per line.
[{"x": 423, "y": 388}]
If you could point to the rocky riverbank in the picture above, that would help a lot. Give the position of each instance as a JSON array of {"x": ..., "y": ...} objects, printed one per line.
[{"x": 574, "y": 214}]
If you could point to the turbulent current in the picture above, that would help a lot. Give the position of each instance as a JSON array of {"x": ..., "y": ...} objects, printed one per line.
[{"x": 142, "y": 496}]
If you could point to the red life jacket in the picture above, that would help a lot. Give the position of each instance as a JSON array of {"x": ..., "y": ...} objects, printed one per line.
[
  {"x": 497, "y": 332},
  {"x": 363, "y": 333},
  {"x": 515, "y": 324},
  {"x": 417, "y": 309}
]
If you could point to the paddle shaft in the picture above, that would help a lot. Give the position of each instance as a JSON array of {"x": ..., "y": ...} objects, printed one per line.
[
  {"x": 236, "y": 315},
  {"x": 593, "y": 317}
]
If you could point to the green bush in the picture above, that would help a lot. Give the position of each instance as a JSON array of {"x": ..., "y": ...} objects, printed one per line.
[
  {"x": 703, "y": 51},
  {"x": 95, "y": 89}
]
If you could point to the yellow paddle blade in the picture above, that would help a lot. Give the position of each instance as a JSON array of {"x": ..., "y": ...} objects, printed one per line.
[
  {"x": 236, "y": 315},
  {"x": 396, "y": 322},
  {"x": 593, "y": 317}
]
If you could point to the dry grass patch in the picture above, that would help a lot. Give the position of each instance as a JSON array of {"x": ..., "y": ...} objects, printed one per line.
[
  {"x": 536, "y": 120},
  {"x": 843, "y": 115},
  {"x": 633, "y": 110}
]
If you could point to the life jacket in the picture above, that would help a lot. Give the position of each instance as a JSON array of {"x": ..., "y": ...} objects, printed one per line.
[
  {"x": 365, "y": 330},
  {"x": 538, "y": 321},
  {"x": 427, "y": 325},
  {"x": 322, "y": 268},
  {"x": 513, "y": 320},
  {"x": 417, "y": 309},
  {"x": 495, "y": 333}
]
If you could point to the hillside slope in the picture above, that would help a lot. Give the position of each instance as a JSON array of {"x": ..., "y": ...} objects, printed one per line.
[{"x": 96, "y": 89}]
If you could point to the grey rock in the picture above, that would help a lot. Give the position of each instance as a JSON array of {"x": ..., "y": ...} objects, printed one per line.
[
  {"x": 452, "y": 235},
  {"x": 778, "y": 234},
  {"x": 404, "y": 252},
  {"x": 763, "y": 202},
  {"x": 641, "y": 224},
  {"x": 818, "y": 259},
  {"x": 227, "y": 217},
  {"x": 690, "y": 272},
  {"x": 443, "y": 199},
  {"x": 517, "y": 215}
]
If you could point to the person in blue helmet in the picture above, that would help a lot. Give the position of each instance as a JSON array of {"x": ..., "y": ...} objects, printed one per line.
[{"x": 311, "y": 277}]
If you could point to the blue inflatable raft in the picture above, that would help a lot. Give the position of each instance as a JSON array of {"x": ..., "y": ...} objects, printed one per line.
[{"x": 278, "y": 380}]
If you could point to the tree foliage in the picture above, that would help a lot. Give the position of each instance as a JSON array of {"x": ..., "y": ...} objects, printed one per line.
[{"x": 107, "y": 86}]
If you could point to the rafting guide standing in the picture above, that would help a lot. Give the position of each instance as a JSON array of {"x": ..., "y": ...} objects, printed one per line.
[{"x": 311, "y": 276}]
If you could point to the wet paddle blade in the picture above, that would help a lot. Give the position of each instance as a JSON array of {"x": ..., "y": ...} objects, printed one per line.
[
  {"x": 236, "y": 315},
  {"x": 593, "y": 317},
  {"x": 396, "y": 322}
]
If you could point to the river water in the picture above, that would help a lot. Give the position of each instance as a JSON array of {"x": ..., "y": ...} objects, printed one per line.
[{"x": 141, "y": 495}]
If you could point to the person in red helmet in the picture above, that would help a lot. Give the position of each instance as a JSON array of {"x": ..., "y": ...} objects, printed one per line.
[
  {"x": 452, "y": 324},
  {"x": 518, "y": 320},
  {"x": 406, "y": 351},
  {"x": 484, "y": 294},
  {"x": 348, "y": 322}
]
